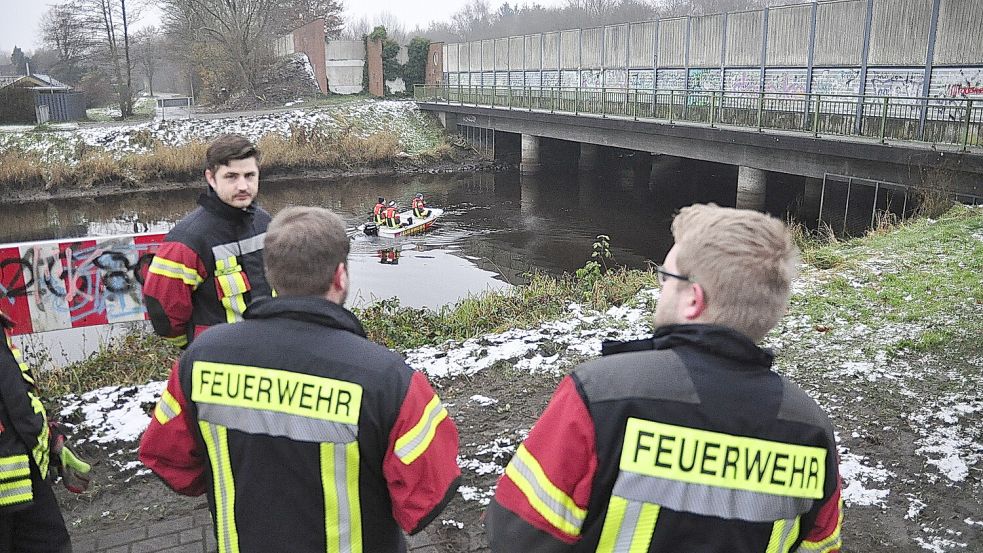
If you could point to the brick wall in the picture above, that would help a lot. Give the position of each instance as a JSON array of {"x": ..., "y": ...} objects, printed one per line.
[
  {"x": 310, "y": 40},
  {"x": 373, "y": 55},
  {"x": 435, "y": 64}
]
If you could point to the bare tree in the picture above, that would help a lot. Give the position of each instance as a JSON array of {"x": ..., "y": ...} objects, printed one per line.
[
  {"x": 147, "y": 50},
  {"x": 63, "y": 30},
  {"x": 301, "y": 12},
  {"x": 107, "y": 23},
  {"x": 394, "y": 29}
]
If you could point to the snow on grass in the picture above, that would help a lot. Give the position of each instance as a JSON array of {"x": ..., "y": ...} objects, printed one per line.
[
  {"x": 859, "y": 478},
  {"x": 483, "y": 401},
  {"x": 112, "y": 414},
  {"x": 946, "y": 444},
  {"x": 481, "y": 495}
]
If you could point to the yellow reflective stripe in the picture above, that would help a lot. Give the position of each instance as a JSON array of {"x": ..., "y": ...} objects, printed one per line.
[
  {"x": 25, "y": 371},
  {"x": 553, "y": 504},
  {"x": 14, "y": 466},
  {"x": 275, "y": 390},
  {"x": 416, "y": 440},
  {"x": 612, "y": 524},
  {"x": 229, "y": 275},
  {"x": 174, "y": 270},
  {"x": 167, "y": 408},
  {"x": 40, "y": 449},
  {"x": 830, "y": 543},
  {"x": 683, "y": 454},
  {"x": 18, "y": 491},
  {"x": 628, "y": 526},
  {"x": 342, "y": 506},
  {"x": 783, "y": 535},
  {"x": 179, "y": 341},
  {"x": 217, "y": 443}
]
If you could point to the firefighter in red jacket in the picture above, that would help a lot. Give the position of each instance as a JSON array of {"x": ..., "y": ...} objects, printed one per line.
[
  {"x": 30, "y": 520},
  {"x": 378, "y": 212},
  {"x": 210, "y": 265},
  {"x": 392, "y": 215},
  {"x": 306, "y": 436},
  {"x": 687, "y": 441},
  {"x": 420, "y": 206}
]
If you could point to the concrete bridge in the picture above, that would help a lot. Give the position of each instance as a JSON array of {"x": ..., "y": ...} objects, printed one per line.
[{"x": 890, "y": 90}]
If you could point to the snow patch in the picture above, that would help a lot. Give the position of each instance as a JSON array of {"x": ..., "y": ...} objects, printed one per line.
[
  {"x": 857, "y": 477},
  {"x": 483, "y": 400},
  {"x": 114, "y": 413},
  {"x": 471, "y": 493}
]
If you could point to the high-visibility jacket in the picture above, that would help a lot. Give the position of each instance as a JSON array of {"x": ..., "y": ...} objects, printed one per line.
[
  {"x": 392, "y": 217},
  {"x": 378, "y": 211},
  {"x": 306, "y": 436},
  {"x": 24, "y": 435},
  {"x": 207, "y": 270},
  {"x": 683, "y": 442},
  {"x": 419, "y": 207}
]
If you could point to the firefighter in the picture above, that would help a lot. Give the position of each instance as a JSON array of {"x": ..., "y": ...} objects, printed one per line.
[
  {"x": 210, "y": 265},
  {"x": 392, "y": 215},
  {"x": 379, "y": 210},
  {"x": 686, "y": 441},
  {"x": 30, "y": 520},
  {"x": 305, "y": 436},
  {"x": 420, "y": 206}
]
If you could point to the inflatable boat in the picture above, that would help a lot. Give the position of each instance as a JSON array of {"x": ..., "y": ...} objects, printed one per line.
[{"x": 409, "y": 225}]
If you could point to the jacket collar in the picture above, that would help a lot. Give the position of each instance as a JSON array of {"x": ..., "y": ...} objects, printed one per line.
[
  {"x": 718, "y": 340},
  {"x": 213, "y": 204},
  {"x": 308, "y": 309}
]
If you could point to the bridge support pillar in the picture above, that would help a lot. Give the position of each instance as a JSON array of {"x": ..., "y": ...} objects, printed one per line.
[
  {"x": 589, "y": 157},
  {"x": 811, "y": 199},
  {"x": 751, "y": 188},
  {"x": 530, "y": 155},
  {"x": 448, "y": 120}
]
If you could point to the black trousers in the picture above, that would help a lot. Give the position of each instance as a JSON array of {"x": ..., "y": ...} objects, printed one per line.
[{"x": 39, "y": 528}]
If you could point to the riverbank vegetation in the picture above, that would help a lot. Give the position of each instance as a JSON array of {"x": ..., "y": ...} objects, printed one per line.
[
  {"x": 333, "y": 137},
  {"x": 933, "y": 289}
]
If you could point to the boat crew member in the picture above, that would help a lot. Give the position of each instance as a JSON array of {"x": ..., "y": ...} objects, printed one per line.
[
  {"x": 379, "y": 211},
  {"x": 392, "y": 215},
  {"x": 420, "y": 206}
]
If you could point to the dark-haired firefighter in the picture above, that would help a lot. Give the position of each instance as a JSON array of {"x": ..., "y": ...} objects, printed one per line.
[
  {"x": 210, "y": 265},
  {"x": 306, "y": 436},
  {"x": 687, "y": 441}
]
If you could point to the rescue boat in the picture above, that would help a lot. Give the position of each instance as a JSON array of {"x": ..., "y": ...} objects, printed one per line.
[{"x": 410, "y": 225}]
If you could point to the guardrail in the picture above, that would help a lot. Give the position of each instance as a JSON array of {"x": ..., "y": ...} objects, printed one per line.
[{"x": 953, "y": 121}]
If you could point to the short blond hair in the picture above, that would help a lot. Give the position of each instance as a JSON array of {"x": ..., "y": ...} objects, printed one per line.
[{"x": 744, "y": 260}]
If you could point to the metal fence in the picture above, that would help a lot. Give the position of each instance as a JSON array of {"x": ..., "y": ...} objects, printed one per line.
[{"x": 886, "y": 118}]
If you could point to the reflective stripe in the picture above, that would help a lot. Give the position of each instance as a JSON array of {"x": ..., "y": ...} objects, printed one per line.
[
  {"x": 342, "y": 506},
  {"x": 722, "y": 460},
  {"x": 628, "y": 526},
  {"x": 167, "y": 408},
  {"x": 40, "y": 449},
  {"x": 783, "y": 534},
  {"x": 270, "y": 423},
  {"x": 174, "y": 270},
  {"x": 13, "y": 467},
  {"x": 18, "y": 491},
  {"x": 242, "y": 247},
  {"x": 553, "y": 504},
  {"x": 280, "y": 391},
  {"x": 708, "y": 500},
  {"x": 232, "y": 283},
  {"x": 414, "y": 442},
  {"x": 831, "y": 543},
  {"x": 217, "y": 443},
  {"x": 178, "y": 341}
]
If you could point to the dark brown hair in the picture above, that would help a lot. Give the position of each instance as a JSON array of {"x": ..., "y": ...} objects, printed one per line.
[{"x": 229, "y": 147}]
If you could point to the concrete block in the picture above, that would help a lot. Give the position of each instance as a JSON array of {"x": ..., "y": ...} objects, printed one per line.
[
  {"x": 172, "y": 526},
  {"x": 120, "y": 538},
  {"x": 193, "y": 535}
]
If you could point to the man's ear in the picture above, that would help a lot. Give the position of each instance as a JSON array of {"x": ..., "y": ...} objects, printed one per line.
[
  {"x": 695, "y": 302},
  {"x": 339, "y": 281},
  {"x": 210, "y": 178}
]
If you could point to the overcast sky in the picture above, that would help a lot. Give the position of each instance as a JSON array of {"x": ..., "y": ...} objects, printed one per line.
[{"x": 19, "y": 19}]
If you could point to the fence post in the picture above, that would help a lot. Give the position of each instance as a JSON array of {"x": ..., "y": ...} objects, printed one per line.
[
  {"x": 552, "y": 101},
  {"x": 672, "y": 103},
  {"x": 539, "y": 98},
  {"x": 713, "y": 108},
  {"x": 576, "y": 101},
  {"x": 815, "y": 116},
  {"x": 884, "y": 118},
  {"x": 604, "y": 102},
  {"x": 761, "y": 106},
  {"x": 969, "y": 119}
]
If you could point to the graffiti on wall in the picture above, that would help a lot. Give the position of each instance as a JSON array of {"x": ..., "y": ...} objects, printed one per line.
[
  {"x": 836, "y": 81},
  {"x": 533, "y": 78},
  {"x": 953, "y": 85},
  {"x": 643, "y": 79},
  {"x": 616, "y": 78},
  {"x": 591, "y": 78},
  {"x": 55, "y": 285},
  {"x": 454, "y": 79},
  {"x": 742, "y": 80},
  {"x": 551, "y": 78},
  {"x": 709, "y": 80},
  {"x": 895, "y": 82},
  {"x": 670, "y": 79},
  {"x": 786, "y": 81},
  {"x": 501, "y": 79},
  {"x": 570, "y": 79},
  {"x": 517, "y": 79}
]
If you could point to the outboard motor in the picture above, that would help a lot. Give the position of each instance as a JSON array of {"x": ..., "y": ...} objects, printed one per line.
[{"x": 371, "y": 229}]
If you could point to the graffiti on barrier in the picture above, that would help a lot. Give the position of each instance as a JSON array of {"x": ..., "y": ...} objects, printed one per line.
[
  {"x": 616, "y": 78},
  {"x": 742, "y": 80},
  {"x": 670, "y": 79},
  {"x": 517, "y": 79},
  {"x": 591, "y": 78},
  {"x": 55, "y": 285},
  {"x": 534, "y": 78},
  {"x": 551, "y": 78},
  {"x": 898, "y": 83},
  {"x": 569, "y": 78},
  {"x": 643, "y": 79},
  {"x": 836, "y": 81},
  {"x": 785, "y": 82}
]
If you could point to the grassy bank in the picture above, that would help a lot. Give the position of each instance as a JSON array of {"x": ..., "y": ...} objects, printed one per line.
[
  {"x": 344, "y": 136},
  {"x": 936, "y": 298}
]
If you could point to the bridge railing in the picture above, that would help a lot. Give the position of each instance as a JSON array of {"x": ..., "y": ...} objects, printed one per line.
[{"x": 954, "y": 121}]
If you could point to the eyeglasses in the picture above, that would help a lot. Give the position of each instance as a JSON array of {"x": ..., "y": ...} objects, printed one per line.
[{"x": 665, "y": 275}]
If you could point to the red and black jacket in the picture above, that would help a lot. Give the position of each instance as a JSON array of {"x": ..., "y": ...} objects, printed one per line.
[
  {"x": 681, "y": 443},
  {"x": 209, "y": 268},
  {"x": 294, "y": 412}
]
